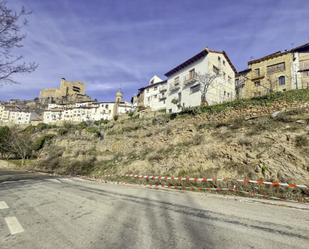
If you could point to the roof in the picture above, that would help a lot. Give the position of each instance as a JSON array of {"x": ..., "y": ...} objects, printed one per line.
[
  {"x": 267, "y": 57},
  {"x": 155, "y": 84},
  {"x": 197, "y": 57},
  {"x": 243, "y": 71},
  {"x": 300, "y": 48}
]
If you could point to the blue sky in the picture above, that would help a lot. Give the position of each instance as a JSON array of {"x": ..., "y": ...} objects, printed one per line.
[{"x": 111, "y": 44}]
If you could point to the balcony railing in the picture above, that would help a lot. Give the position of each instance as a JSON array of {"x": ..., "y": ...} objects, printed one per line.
[
  {"x": 190, "y": 79},
  {"x": 174, "y": 87},
  {"x": 162, "y": 89},
  {"x": 257, "y": 76}
]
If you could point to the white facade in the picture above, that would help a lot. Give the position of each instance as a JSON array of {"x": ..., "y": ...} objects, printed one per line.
[
  {"x": 184, "y": 87},
  {"x": 80, "y": 112},
  {"x": 155, "y": 96}
]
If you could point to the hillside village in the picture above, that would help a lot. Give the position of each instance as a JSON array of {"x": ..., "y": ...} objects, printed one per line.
[{"x": 206, "y": 78}]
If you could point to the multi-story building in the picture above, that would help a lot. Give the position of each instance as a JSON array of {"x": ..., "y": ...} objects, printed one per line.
[
  {"x": 279, "y": 71},
  {"x": 154, "y": 94},
  {"x": 15, "y": 116},
  {"x": 185, "y": 81},
  {"x": 86, "y": 111}
]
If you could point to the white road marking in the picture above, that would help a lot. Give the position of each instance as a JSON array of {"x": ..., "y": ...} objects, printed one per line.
[
  {"x": 13, "y": 225},
  {"x": 3, "y": 205}
]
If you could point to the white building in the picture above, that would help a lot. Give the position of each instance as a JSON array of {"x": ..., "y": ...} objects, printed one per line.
[
  {"x": 86, "y": 111},
  {"x": 184, "y": 88},
  {"x": 11, "y": 116},
  {"x": 154, "y": 95}
]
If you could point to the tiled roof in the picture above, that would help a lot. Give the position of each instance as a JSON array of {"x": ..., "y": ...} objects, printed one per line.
[
  {"x": 196, "y": 57},
  {"x": 156, "y": 84}
]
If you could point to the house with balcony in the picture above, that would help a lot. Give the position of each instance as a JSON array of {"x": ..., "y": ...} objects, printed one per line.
[
  {"x": 153, "y": 95},
  {"x": 276, "y": 72},
  {"x": 185, "y": 82}
]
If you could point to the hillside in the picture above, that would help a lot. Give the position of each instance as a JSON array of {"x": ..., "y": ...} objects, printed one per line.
[{"x": 265, "y": 137}]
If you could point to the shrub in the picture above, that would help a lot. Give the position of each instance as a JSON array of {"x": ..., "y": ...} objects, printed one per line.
[
  {"x": 39, "y": 143},
  {"x": 67, "y": 125},
  {"x": 115, "y": 117},
  {"x": 63, "y": 131},
  {"x": 301, "y": 141},
  {"x": 42, "y": 126}
]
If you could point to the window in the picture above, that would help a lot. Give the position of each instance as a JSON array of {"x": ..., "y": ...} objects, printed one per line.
[
  {"x": 215, "y": 70},
  {"x": 191, "y": 73},
  {"x": 219, "y": 59},
  {"x": 148, "y": 90},
  {"x": 155, "y": 88},
  {"x": 304, "y": 65},
  {"x": 224, "y": 93},
  {"x": 176, "y": 80},
  {"x": 276, "y": 68},
  {"x": 155, "y": 96},
  {"x": 195, "y": 88},
  {"x": 224, "y": 74},
  {"x": 76, "y": 89},
  {"x": 257, "y": 72},
  {"x": 229, "y": 79},
  {"x": 223, "y": 62},
  {"x": 281, "y": 80},
  {"x": 257, "y": 83}
]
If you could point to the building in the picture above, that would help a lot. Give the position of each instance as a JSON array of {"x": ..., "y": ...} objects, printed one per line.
[
  {"x": 276, "y": 72},
  {"x": 185, "y": 86},
  {"x": 153, "y": 96},
  {"x": 10, "y": 115},
  {"x": 68, "y": 91},
  {"x": 86, "y": 111}
]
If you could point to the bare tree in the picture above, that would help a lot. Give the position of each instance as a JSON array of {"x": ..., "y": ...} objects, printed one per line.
[
  {"x": 206, "y": 80},
  {"x": 20, "y": 145},
  {"x": 14, "y": 143},
  {"x": 11, "y": 23}
]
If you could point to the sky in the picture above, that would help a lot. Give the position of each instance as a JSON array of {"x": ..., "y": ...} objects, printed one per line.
[{"x": 121, "y": 44}]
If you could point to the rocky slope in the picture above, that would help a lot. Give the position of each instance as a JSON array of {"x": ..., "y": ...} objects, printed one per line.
[{"x": 269, "y": 142}]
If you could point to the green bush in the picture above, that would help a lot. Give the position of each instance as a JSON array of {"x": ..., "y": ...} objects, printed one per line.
[
  {"x": 39, "y": 143},
  {"x": 301, "y": 141},
  {"x": 63, "y": 131}
]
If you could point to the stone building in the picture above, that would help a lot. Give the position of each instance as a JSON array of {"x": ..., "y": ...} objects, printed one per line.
[
  {"x": 68, "y": 91},
  {"x": 279, "y": 71}
]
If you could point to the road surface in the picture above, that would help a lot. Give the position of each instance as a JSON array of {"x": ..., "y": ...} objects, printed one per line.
[{"x": 40, "y": 211}]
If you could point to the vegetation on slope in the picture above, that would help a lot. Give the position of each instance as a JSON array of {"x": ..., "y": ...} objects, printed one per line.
[{"x": 198, "y": 142}]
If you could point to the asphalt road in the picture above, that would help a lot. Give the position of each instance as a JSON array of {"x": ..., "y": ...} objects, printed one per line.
[{"x": 38, "y": 211}]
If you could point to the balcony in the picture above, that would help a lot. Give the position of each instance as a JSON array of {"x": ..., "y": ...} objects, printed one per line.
[
  {"x": 162, "y": 89},
  {"x": 174, "y": 87},
  {"x": 190, "y": 79},
  {"x": 256, "y": 76}
]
